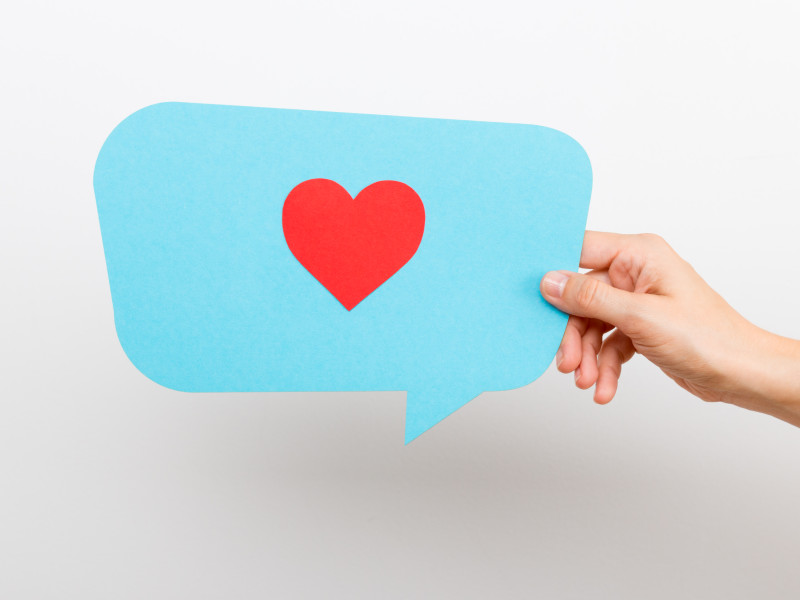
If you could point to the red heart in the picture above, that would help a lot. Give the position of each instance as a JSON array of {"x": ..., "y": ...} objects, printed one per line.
[{"x": 353, "y": 246}]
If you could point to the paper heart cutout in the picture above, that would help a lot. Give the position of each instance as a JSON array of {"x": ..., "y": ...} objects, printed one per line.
[{"x": 352, "y": 246}]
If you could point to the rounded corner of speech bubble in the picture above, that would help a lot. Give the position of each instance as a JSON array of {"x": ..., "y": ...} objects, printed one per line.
[
  {"x": 175, "y": 384},
  {"x": 128, "y": 123},
  {"x": 144, "y": 112}
]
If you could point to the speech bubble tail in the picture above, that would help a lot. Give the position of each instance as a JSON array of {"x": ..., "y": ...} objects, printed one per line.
[{"x": 424, "y": 409}]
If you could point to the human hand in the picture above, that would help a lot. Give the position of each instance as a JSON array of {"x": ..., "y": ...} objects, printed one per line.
[{"x": 645, "y": 298}]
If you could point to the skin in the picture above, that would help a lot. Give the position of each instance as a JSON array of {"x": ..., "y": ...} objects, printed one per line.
[{"x": 641, "y": 297}]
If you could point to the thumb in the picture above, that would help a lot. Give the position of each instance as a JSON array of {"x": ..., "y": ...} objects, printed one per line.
[{"x": 586, "y": 296}]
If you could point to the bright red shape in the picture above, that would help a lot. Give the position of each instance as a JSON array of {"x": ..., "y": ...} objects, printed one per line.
[{"x": 352, "y": 245}]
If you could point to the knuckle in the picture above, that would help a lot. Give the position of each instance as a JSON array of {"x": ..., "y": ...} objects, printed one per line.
[
  {"x": 588, "y": 295},
  {"x": 614, "y": 368},
  {"x": 652, "y": 239},
  {"x": 620, "y": 359}
]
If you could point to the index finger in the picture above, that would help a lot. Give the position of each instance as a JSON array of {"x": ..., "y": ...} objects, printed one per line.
[{"x": 601, "y": 248}]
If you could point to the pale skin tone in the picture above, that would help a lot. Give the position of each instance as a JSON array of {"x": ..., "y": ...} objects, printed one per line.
[{"x": 641, "y": 297}]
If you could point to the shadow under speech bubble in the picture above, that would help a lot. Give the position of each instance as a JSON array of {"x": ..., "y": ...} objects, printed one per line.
[{"x": 208, "y": 297}]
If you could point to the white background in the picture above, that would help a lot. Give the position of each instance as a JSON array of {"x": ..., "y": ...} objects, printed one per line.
[{"x": 113, "y": 487}]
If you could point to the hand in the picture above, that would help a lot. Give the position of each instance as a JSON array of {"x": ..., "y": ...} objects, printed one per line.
[{"x": 645, "y": 298}]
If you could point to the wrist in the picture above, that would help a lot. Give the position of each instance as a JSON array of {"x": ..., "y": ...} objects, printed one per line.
[{"x": 771, "y": 380}]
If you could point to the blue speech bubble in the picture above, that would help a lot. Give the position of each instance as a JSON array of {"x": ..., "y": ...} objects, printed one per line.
[{"x": 208, "y": 297}]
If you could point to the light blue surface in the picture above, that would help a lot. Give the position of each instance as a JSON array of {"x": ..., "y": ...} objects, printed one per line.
[{"x": 208, "y": 298}]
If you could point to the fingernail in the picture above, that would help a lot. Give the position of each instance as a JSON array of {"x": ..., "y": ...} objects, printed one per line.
[
  {"x": 559, "y": 357},
  {"x": 554, "y": 283},
  {"x": 577, "y": 374}
]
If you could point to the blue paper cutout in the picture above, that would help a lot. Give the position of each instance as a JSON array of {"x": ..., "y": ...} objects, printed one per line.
[{"x": 208, "y": 298}]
